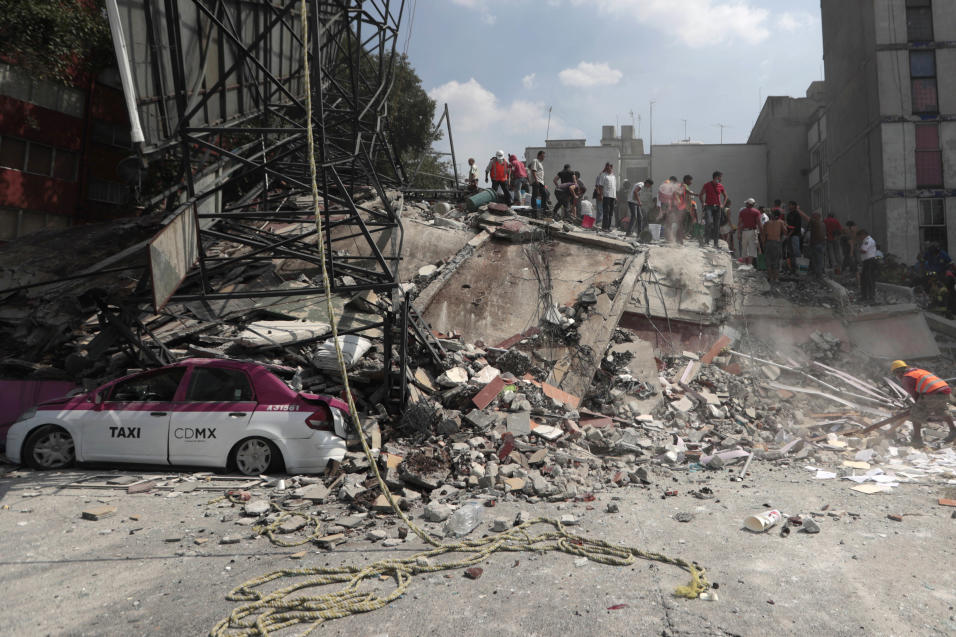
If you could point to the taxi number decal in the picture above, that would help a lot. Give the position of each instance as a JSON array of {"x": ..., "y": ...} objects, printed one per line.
[
  {"x": 282, "y": 408},
  {"x": 124, "y": 432}
]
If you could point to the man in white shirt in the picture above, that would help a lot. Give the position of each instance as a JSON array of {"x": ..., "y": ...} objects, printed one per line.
[
  {"x": 868, "y": 255},
  {"x": 607, "y": 185},
  {"x": 538, "y": 189}
]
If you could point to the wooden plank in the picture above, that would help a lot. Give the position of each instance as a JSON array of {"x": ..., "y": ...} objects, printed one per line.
[{"x": 715, "y": 350}]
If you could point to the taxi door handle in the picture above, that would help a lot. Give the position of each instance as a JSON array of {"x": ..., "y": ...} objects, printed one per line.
[
  {"x": 158, "y": 413},
  {"x": 237, "y": 414}
]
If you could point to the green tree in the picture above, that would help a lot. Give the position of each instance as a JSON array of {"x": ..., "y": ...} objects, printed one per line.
[
  {"x": 56, "y": 39},
  {"x": 411, "y": 112}
]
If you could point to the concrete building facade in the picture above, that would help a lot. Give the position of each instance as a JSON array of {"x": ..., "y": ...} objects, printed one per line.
[
  {"x": 744, "y": 167},
  {"x": 624, "y": 151},
  {"x": 782, "y": 127},
  {"x": 883, "y": 149}
]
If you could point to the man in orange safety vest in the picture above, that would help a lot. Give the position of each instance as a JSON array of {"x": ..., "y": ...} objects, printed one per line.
[{"x": 932, "y": 395}]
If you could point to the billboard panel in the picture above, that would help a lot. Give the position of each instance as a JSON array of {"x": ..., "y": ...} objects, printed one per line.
[{"x": 172, "y": 253}]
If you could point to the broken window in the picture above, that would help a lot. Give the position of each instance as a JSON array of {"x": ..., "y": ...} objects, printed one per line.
[
  {"x": 919, "y": 20},
  {"x": 929, "y": 158},
  {"x": 932, "y": 221}
]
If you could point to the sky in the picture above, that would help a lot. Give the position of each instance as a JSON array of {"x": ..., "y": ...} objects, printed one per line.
[{"x": 500, "y": 65}]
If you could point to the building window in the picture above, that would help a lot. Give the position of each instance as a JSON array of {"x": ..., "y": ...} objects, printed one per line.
[
  {"x": 919, "y": 20},
  {"x": 929, "y": 158},
  {"x": 37, "y": 159},
  {"x": 932, "y": 222},
  {"x": 107, "y": 191},
  {"x": 20, "y": 85},
  {"x": 110, "y": 134},
  {"x": 923, "y": 81},
  {"x": 13, "y": 153}
]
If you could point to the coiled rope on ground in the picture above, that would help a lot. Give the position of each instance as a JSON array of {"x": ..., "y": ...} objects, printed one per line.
[{"x": 264, "y": 613}]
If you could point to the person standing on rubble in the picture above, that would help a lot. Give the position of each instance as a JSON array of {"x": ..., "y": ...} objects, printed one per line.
[
  {"x": 795, "y": 224},
  {"x": 538, "y": 189},
  {"x": 932, "y": 396},
  {"x": 834, "y": 232},
  {"x": 607, "y": 184},
  {"x": 563, "y": 182},
  {"x": 818, "y": 245},
  {"x": 748, "y": 226},
  {"x": 774, "y": 232},
  {"x": 848, "y": 246},
  {"x": 500, "y": 173},
  {"x": 634, "y": 210},
  {"x": 684, "y": 195},
  {"x": 868, "y": 256},
  {"x": 519, "y": 179},
  {"x": 472, "y": 175},
  {"x": 714, "y": 197}
]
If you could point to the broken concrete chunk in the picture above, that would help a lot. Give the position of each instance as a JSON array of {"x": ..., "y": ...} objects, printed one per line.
[
  {"x": 353, "y": 521},
  {"x": 519, "y": 423},
  {"x": 427, "y": 270},
  {"x": 486, "y": 375},
  {"x": 315, "y": 493},
  {"x": 453, "y": 377},
  {"x": 479, "y": 419},
  {"x": 437, "y": 512},
  {"x": 98, "y": 513},
  {"x": 256, "y": 507},
  {"x": 500, "y": 525},
  {"x": 292, "y": 524},
  {"x": 230, "y": 539}
]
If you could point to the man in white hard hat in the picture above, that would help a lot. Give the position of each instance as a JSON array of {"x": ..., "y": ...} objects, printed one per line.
[{"x": 500, "y": 171}]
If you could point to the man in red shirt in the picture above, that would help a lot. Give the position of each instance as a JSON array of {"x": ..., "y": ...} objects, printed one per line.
[
  {"x": 748, "y": 225},
  {"x": 932, "y": 396},
  {"x": 714, "y": 198},
  {"x": 834, "y": 231}
]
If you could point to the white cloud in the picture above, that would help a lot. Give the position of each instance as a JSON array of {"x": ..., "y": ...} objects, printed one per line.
[
  {"x": 481, "y": 5},
  {"x": 587, "y": 74},
  {"x": 695, "y": 23},
  {"x": 483, "y": 124},
  {"x": 528, "y": 81},
  {"x": 789, "y": 21}
]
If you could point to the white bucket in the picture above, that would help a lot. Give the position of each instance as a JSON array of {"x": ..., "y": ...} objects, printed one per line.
[
  {"x": 760, "y": 522},
  {"x": 803, "y": 265},
  {"x": 655, "y": 229}
]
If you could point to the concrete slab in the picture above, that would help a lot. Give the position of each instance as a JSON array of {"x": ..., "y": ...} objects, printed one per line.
[
  {"x": 682, "y": 282},
  {"x": 494, "y": 294},
  {"x": 894, "y": 336}
]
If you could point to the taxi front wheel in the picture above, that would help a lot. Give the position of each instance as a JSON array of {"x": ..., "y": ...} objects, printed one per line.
[
  {"x": 255, "y": 456},
  {"x": 48, "y": 447}
]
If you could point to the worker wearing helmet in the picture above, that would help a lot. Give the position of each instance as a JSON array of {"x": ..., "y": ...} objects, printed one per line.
[{"x": 932, "y": 396}]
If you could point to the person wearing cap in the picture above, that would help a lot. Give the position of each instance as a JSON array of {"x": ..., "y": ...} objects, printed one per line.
[
  {"x": 932, "y": 395},
  {"x": 748, "y": 227},
  {"x": 634, "y": 209},
  {"x": 500, "y": 172},
  {"x": 472, "y": 175}
]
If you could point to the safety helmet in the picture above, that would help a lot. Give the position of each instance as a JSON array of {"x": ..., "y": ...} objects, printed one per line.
[{"x": 895, "y": 365}]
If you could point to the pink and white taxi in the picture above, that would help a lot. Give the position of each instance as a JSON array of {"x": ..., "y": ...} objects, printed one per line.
[{"x": 203, "y": 412}]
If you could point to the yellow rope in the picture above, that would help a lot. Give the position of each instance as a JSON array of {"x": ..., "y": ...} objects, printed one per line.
[{"x": 265, "y": 613}]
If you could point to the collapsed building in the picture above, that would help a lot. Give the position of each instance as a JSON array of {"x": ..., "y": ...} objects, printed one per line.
[{"x": 498, "y": 354}]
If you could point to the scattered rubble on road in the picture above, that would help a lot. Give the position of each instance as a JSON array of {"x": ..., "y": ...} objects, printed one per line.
[{"x": 651, "y": 364}]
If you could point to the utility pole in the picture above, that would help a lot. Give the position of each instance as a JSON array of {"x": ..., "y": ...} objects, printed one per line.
[
  {"x": 548, "y": 132},
  {"x": 650, "y": 145},
  {"x": 686, "y": 138},
  {"x": 722, "y": 127}
]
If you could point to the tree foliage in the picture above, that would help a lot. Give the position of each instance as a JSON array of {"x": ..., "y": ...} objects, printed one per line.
[
  {"x": 56, "y": 39},
  {"x": 411, "y": 112}
]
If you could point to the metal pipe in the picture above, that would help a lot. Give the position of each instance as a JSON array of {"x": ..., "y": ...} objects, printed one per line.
[{"x": 126, "y": 75}]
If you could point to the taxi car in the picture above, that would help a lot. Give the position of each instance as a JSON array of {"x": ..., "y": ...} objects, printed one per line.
[{"x": 202, "y": 412}]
